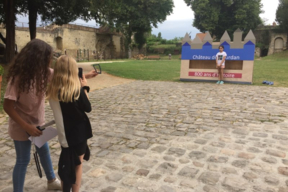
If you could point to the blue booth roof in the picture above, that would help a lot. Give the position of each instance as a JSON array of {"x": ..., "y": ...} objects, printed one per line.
[{"x": 208, "y": 53}]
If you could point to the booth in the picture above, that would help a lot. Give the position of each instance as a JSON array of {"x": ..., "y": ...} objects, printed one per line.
[{"x": 198, "y": 60}]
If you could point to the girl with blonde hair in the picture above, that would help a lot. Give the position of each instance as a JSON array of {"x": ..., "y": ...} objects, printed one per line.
[{"x": 68, "y": 98}]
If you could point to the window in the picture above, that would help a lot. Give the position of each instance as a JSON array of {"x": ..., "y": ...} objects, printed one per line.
[{"x": 59, "y": 43}]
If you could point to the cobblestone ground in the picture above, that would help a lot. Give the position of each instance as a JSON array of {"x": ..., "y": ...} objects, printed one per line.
[{"x": 178, "y": 137}]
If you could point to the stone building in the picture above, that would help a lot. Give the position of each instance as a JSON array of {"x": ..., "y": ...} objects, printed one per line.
[
  {"x": 274, "y": 40},
  {"x": 75, "y": 40}
]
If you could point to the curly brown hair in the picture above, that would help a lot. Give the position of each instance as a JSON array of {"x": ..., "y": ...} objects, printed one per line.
[{"x": 31, "y": 67}]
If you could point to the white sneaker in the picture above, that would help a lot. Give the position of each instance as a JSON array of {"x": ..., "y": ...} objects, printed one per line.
[{"x": 55, "y": 185}]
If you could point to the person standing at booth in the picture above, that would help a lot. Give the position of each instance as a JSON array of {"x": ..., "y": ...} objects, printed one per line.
[{"x": 220, "y": 63}]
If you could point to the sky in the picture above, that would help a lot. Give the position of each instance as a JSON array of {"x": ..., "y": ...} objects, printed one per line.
[{"x": 180, "y": 21}]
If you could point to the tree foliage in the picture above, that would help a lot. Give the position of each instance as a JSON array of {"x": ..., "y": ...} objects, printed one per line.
[
  {"x": 159, "y": 35},
  {"x": 127, "y": 16},
  {"x": 51, "y": 11},
  {"x": 216, "y": 16},
  {"x": 140, "y": 39},
  {"x": 132, "y": 16},
  {"x": 281, "y": 15}
]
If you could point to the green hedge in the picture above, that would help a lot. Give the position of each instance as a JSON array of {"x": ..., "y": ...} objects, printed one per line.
[
  {"x": 1, "y": 70},
  {"x": 164, "y": 49}
]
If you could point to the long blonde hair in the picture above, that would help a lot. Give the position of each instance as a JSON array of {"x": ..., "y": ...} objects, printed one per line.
[{"x": 65, "y": 85}]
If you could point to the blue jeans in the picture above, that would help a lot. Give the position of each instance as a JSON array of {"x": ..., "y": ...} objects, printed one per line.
[{"x": 23, "y": 149}]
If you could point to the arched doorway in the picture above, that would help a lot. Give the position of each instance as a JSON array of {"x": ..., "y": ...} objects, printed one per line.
[
  {"x": 279, "y": 44},
  {"x": 59, "y": 43},
  {"x": 264, "y": 52}
]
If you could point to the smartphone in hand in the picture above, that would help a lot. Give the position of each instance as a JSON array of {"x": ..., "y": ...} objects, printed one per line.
[
  {"x": 97, "y": 68},
  {"x": 80, "y": 73}
]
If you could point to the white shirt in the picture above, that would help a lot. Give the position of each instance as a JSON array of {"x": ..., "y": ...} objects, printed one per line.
[{"x": 220, "y": 56}]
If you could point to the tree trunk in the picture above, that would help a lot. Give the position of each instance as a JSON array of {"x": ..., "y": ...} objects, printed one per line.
[
  {"x": 287, "y": 42},
  {"x": 127, "y": 42},
  {"x": 32, "y": 8},
  {"x": 9, "y": 9}
]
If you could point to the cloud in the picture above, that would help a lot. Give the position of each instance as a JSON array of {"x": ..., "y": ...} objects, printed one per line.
[
  {"x": 269, "y": 8},
  {"x": 180, "y": 21},
  {"x": 175, "y": 28},
  {"x": 181, "y": 11}
]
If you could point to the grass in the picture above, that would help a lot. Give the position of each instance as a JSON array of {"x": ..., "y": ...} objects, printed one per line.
[
  {"x": 166, "y": 57},
  {"x": 272, "y": 68},
  {"x": 159, "y": 70}
]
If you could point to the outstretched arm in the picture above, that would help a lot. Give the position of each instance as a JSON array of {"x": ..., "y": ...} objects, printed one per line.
[{"x": 91, "y": 74}]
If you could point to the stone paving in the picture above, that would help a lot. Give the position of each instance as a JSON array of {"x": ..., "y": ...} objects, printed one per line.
[{"x": 177, "y": 137}]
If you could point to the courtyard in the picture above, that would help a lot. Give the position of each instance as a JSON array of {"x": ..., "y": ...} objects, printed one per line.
[{"x": 177, "y": 137}]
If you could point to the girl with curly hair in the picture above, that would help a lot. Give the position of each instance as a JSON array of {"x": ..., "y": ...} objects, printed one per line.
[{"x": 24, "y": 102}]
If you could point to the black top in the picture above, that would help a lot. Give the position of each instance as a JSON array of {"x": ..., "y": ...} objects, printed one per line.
[
  {"x": 72, "y": 122},
  {"x": 76, "y": 123}
]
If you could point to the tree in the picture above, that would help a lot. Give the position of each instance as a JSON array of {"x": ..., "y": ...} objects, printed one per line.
[
  {"x": 8, "y": 16},
  {"x": 140, "y": 39},
  {"x": 159, "y": 36},
  {"x": 216, "y": 16},
  {"x": 282, "y": 17},
  {"x": 124, "y": 15},
  {"x": 52, "y": 11},
  {"x": 128, "y": 17}
]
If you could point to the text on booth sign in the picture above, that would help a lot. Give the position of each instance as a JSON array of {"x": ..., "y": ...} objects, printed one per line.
[{"x": 212, "y": 74}]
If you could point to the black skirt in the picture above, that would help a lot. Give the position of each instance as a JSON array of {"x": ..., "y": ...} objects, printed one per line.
[{"x": 81, "y": 148}]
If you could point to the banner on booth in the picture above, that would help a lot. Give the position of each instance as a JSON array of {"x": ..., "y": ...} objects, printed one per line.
[
  {"x": 208, "y": 53},
  {"x": 212, "y": 74}
]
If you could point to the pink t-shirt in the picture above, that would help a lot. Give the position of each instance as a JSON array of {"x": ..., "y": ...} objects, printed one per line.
[{"x": 29, "y": 106}]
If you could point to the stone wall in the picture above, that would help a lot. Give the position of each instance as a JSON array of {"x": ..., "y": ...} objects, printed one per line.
[
  {"x": 258, "y": 52},
  {"x": 78, "y": 39},
  {"x": 135, "y": 51},
  {"x": 101, "y": 43},
  {"x": 22, "y": 37},
  {"x": 275, "y": 37},
  {"x": 277, "y": 40},
  {"x": 119, "y": 46}
]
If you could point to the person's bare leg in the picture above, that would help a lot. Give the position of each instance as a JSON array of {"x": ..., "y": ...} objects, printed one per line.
[
  {"x": 78, "y": 170},
  {"x": 219, "y": 73},
  {"x": 222, "y": 71}
]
